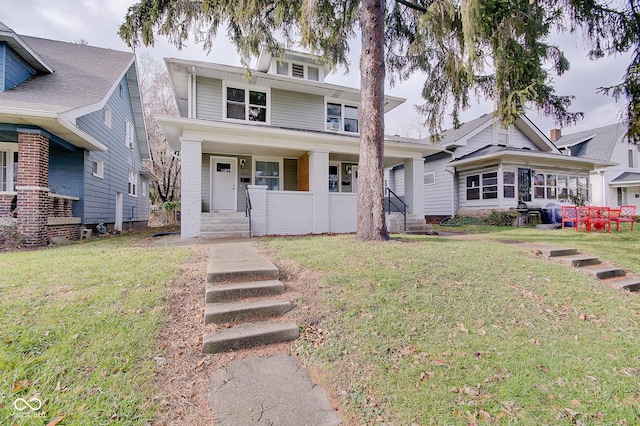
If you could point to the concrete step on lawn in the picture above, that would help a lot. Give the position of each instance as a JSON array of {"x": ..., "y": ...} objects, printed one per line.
[
  {"x": 558, "y": 251},
  {"x": 603, "y": 272},
  {"x": 631, "y": 284},
  {"x": 239, "y": 311},
  {"x": 227, "y": 292},
  {"x": 578, "y": 260},
  {"x": 239, "y": 261},
  {"x": 250, "y": 335}
]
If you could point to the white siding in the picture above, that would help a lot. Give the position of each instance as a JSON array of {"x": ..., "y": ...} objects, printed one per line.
[
  {"x": 438, "y": 198},
  {"x": 209, "y": 99},
  {"x": 297, "y": 110}
]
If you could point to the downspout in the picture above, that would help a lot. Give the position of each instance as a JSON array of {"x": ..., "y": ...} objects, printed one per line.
[{"x": 452, "y": 170}]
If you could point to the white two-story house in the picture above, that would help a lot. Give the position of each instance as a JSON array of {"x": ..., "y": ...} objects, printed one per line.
[{"x": 280, "y": 138}]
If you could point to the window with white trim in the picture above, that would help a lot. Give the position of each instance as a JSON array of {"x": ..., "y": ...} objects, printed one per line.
[
  {"x": 342, "y": 117},
  {"x": 246, "y": 104},
  {"x": 145, "y": 189},
  {"x": 509, "y": 184},
  {"x": 133, "y": 183},
  {"x": 268, "y": 172},
  {"x": 106, "y": 111},
  {"x": 430, "y": 178},
  {"x": 97, "y": 168},
  {"x": 129, "y": 131},
  {"x": 8, "y": 168},
  {"x": 482, "y": 186}
]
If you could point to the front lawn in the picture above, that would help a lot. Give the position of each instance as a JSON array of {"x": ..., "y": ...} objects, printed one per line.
[
  {"x": 428, "y": 330},
  {"x": 79, "y": 328}
]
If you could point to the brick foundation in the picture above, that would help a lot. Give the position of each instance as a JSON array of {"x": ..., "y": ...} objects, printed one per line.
[{"x": 71, "y": 232}]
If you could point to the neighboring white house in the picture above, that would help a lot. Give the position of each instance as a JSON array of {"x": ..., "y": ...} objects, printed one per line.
[
  {"x": 486, "y": 167},
  {"x": 614, "y": 185},
  {"x": 282, "y": 133}
]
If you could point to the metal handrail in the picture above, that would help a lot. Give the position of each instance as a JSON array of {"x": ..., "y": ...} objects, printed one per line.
[
  {"x": 404, "y": 207},
  {"x": 247, "y": 209}
]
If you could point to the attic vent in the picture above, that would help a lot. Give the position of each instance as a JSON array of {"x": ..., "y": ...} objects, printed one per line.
[{"x": 297, "y": 70}]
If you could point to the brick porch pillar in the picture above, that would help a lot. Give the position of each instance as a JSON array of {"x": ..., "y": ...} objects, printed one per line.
[{"x": 33, "y": 186}]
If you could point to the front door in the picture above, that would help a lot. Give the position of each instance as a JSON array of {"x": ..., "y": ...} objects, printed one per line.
[
  {"x": 223, "y": 183},
  {"x": 524, "y": 185}
]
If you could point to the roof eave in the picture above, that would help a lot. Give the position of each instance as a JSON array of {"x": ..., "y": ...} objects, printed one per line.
[
  {"x": 25, "y": 51},
  {"x": 593, "y": 163}
]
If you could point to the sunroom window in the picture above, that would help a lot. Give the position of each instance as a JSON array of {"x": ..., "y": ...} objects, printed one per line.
[{"x": 483, "y": 186}]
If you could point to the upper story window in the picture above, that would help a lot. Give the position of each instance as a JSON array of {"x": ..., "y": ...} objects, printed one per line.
[
  {"x": 633, "y": 159},
  {"x": 342, "y": 118},
  {"x": 246, "y": 104},
  {"x": 128, "y": 138},
  {"x": 8, "y": 169},
  {"x": 293, "y": 69},
  {"x": 106, "y": 111}
]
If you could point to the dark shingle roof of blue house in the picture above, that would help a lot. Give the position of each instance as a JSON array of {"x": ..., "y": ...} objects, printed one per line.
[
  {"x": 596, "y": 143},
  {"x": 82, "y": 76}
]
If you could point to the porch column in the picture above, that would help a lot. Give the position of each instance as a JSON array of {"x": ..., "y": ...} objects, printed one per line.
[
  {"x": 319, "y": 187},
  {"x": 414, "y": 185},
  {"x": 190, "y": 187},
  {"x": 33, "y": 186}
]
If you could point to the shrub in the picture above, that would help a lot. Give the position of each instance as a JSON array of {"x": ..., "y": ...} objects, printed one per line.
[{"x": 501, "y": 218}]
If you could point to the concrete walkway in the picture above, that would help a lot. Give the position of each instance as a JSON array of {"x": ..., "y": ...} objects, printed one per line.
[{"x": 273, "y": 390}]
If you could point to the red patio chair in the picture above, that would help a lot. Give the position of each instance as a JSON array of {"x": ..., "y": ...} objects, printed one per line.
[
  {"x": 625, "y": 214},
  {"x": 583, "y": 218},
  {"x": 569, "y": 214},
  {"x": 599, "y": 218}
]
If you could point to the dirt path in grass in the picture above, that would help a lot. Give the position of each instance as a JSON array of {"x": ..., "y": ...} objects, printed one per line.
[{"x": 182, "y": 381}]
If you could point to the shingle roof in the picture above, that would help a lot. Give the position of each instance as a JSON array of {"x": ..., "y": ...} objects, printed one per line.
[
  {"x": 594, "y": 143},
  {"x": 627, "y": 177},
  {"x": 452, "y": 135},
  {"x": 82, "y": 75},
  {"x": 493, "y": 149}
]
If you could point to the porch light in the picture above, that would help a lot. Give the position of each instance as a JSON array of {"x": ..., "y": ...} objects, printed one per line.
[
  {"x": 242, "y": 163},
  {"x": 348, "y": 170}
]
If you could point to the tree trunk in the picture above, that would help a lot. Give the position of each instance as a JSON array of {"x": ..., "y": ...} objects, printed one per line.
[{"x": 371, "y": 220}]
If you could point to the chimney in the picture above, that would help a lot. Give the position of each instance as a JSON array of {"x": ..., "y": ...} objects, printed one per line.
[{"x": 555, "y": 134}]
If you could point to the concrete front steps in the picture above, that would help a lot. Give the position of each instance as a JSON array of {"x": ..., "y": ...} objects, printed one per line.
[
  {"x": 415, "y": 224},
  {"x": 591, "y": 265},
  {"x": 243, "y": 290},
  {"x": 224, "y": 225}
]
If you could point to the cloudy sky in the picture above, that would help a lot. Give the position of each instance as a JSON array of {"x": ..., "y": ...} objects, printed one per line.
[{"x": 97, "y": 21}]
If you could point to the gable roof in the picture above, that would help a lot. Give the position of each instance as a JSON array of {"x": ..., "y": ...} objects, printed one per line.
[
  {"x": 23, "y": 49},
  {"x": 596, "y": 143},
  {"x": 81, "y": 80},
  {"x": 626, "y": 179},
  {"x": 457, "y": 137}
]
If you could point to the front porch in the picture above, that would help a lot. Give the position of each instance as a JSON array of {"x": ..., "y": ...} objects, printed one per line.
[{"x": 298, "y": 182}]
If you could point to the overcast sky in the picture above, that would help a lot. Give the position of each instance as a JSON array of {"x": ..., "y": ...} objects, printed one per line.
[{"x": 97, "y": 21}]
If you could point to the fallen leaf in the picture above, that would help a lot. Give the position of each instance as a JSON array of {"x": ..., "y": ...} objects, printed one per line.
[
  {"x": 56, "y": 420},
  {"x": 20, "y": 384},
  {"x": 461, "y": 328},
  {"x": 439, "y": 362},
  {"x": 575, "y": 403},
  {"x": 560, "y": 382},
  {"x": 408, "y": 350}
]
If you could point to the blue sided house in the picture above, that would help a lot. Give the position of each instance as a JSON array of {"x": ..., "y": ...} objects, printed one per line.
[{"x": 72, "y": 139}]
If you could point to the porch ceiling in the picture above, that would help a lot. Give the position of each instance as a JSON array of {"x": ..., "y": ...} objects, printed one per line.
[{"x": 241, "y": 139}]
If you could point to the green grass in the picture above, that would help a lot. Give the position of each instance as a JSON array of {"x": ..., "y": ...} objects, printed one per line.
[
  {"x": 447, "y": 332},
  {"x": 79, "y": 328}
]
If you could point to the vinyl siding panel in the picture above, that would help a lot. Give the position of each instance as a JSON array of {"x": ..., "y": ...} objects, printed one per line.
[
  {"x": 3, "y": 55},
  {"x": 16, "y": 70},
  {"x": 100, "y": 193},
  {"x": 209, "y": 99},
  {"x": 438, "y": 198},
  {"x": 297, "y": 110}
]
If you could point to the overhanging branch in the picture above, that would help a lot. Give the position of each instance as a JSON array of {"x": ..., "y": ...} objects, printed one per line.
[{"x": 412, "y": 5}]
